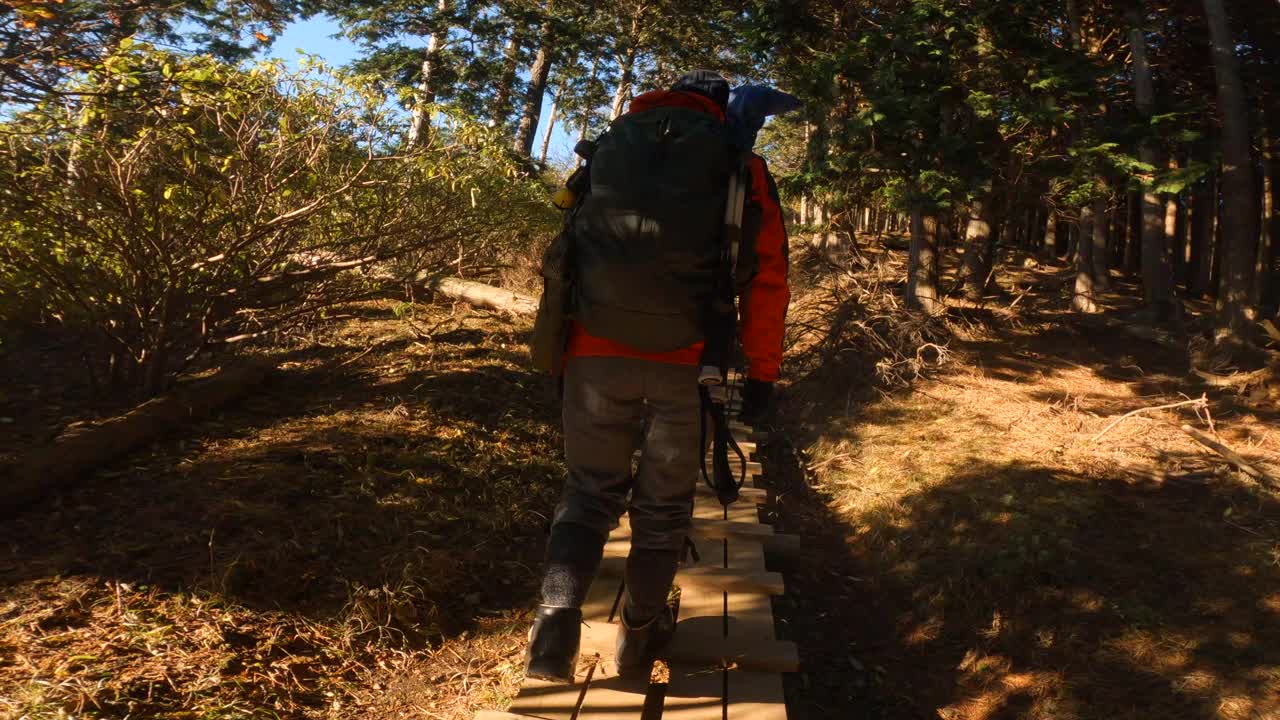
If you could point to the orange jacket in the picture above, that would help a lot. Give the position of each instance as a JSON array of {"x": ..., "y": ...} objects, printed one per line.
[{"x": 762, "y": 306}]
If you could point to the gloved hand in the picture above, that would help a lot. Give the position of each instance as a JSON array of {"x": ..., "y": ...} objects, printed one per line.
[{"x": 757, "y": 396}]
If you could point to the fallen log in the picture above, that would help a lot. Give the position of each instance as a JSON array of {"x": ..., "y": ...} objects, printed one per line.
[
  {"x": 481, "y": 295},
  {"x": 86, "y": 447},
  {"x": 1232, "y": 457}
]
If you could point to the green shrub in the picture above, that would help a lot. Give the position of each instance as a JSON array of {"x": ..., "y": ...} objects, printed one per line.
[{"x": 191, "y": 204}]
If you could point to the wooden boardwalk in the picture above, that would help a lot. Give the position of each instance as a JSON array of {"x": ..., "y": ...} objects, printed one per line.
[{"x": 724, "y": 662}]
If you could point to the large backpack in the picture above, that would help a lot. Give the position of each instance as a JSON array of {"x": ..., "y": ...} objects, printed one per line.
[{"x": 648, "y": 236}]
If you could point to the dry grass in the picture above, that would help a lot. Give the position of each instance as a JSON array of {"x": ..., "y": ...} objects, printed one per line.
[
  {"x": 360, "y": 539},
  {"x": 978, "y": 556}
]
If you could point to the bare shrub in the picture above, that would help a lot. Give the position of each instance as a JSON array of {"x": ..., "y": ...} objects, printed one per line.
[{"x": 199, "y": 204}]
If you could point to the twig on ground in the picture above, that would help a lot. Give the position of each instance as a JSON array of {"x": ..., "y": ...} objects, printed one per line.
[
  {"x": 1232, "y": 457},
  {"x": 1200, "y": 402},
  {"x": 350, "y": 360}
]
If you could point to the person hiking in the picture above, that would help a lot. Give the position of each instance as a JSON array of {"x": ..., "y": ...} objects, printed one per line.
[{"x": 646, "y": 248}]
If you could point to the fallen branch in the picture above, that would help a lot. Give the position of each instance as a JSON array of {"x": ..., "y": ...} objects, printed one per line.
[
  {"x": 84, "y": 448},
  {"x": 1233, "y": 381},
  {"x": 1201, "y": 403},
  {"x": 1231, "y": 456},
  {"x": 485, "y": 296}
]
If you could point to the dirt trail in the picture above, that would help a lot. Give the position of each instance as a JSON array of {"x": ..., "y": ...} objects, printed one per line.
[
  {"x": 977, "y": 556},
  {"x": 361, "y": 538}
]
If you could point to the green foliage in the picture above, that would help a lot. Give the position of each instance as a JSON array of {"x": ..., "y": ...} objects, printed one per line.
[{"x": 197, "y": 202}]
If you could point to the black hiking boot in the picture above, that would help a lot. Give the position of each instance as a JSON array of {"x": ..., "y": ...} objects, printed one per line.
[
  {"x": 553, "y": 644},
  {"x": 638, "y": 647}
]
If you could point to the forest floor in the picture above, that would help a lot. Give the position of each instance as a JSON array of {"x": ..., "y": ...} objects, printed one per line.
[
  {"x": 360, "y": 538},
  {"x": 975, "y": 553}
]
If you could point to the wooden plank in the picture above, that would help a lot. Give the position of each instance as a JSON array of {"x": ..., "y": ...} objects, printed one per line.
[
  {"x": 704, "y": 645},
  {"x": 754, "y": 469},
  {"x": 611, "y": 697},
  {"x": 710, "y": 576},
  {"x": 746, "y": 495},
  {"x": 559, "y": 701},
  {"x": 694, "y": 693},
  {"x": 755, "y": 696},
  {"x": 712, "y": 529}
]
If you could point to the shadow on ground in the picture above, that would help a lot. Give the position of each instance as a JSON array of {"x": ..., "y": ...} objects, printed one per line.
[
  {"x": 954, "y": 574},
  {"x": 345, "y": 510}
]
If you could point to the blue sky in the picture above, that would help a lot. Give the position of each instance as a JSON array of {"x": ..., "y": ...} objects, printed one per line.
[{"x": 316, "y": 36}]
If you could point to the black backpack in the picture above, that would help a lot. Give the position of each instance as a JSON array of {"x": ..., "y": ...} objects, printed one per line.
[{"x": 648, "y": 237}]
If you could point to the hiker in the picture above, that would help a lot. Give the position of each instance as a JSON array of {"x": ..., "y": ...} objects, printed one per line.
[{"x": 644, "y": 256}]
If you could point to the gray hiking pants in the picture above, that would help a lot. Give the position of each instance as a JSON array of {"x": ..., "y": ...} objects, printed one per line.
[{"x": 607, "y": 402}]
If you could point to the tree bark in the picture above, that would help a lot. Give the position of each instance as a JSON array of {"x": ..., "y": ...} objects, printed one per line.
[
  {"x": 1235, "y": 312},
  {"x": 1204, "y": 214},
  {"x": 587, "y": 111},
  {"x": 538, "y": 75},
  {"x": 1082, "y": 295},
  {"x": 1156, "y": 273},
  {"x": 1263, "y": 277},
  {"x": 922, "y": 268},
  {"x": 79, "y": 450},
  {"x": 626, "y": 75},
  {"x": 1051, "y": 234},
  {"x": 1133, "y": 223},
  {"x": 501, "y": 110},
  {"x": 978, "y": 250},
  {"x": 424, "y": 96},
  {"x": 1100, "y": 253},
  {"x": 481, "y": 295},
  {"x": 551, "y": 125}
]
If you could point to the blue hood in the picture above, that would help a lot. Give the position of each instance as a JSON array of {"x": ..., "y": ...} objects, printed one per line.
[{"x": 749, "y": 105}]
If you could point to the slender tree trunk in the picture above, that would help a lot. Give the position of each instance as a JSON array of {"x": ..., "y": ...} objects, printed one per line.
[
  {"x": 1235, "y": 315},
  {"x": 978, "y": 251},
  {"x": 1219, "y": 243},
  {"x": 1100, "y": 253},
  {"x": 922, "y": 268},
  {"x": 1051, "y": 234},
  {"x": 1204, "y": 204},
  {"x": 1271, "y": 288},
  {"x": 1082, "y": 296},
  {"x": 1267, "y": 239},
  {"x": 626, "y": 76},
  {"x": 1133, "y": 220},
  {"x": 538, "y": 75},
  {"x": 424, "y": 96},
  {"x": 587, "y": 112},
  {"x": 1156, "y": 274},
  {"x": 1181, "y": 233},
  {"x": 551, "y": 126},
  {"x": 500, "y": 112}
]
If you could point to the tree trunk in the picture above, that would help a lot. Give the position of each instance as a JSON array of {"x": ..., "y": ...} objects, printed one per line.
[
  {"x": 978, "y": 250},
  {"x": 626, "y": 76},
  {"x": 1051, "y": 234},
  {"x": 500, "y": 112},
  {"x": 538, "y": 75},
  {"x": 1156, "y": 273},
  {"x": 1082, "y": 296},
  {"x": 1235, "y": 313},
  {"x": 424, "y": 95},
  {"x": 551, "y": 125},
  {"x": 1100, "y": 253},
  {"x": 922, "y": 268},
  {"x": 1271, "y": 292},
  {"x": 1133, "y": 220},
  {"x": 1263, "y": 277},
  {"x": 1204, "y": 213}
]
